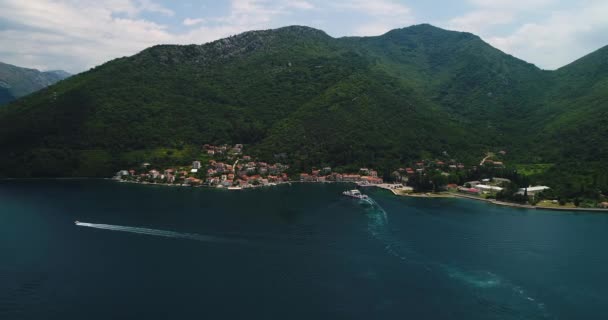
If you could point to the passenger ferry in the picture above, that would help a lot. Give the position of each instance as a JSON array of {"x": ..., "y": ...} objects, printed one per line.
[{"x": 355, "y": 194}]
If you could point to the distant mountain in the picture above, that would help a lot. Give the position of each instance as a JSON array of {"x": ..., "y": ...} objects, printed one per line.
[
  {"x": 16, "y": 82},
  {"x": 380, "y": 101}
]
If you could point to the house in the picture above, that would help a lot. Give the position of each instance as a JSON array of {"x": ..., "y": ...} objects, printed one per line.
[
  {"x": 472, "y": 183},
  {"x": 532, "y": 190},
  {"x": 373, "y": 173},
  {"x": 327, "y": 170},
  {"x": 469, "y": 190},
  {"x": 498, "y": 164},
  {"x": 501, "y": 181},
  {"x": 502, "y": 152},
  {"x": 211, "y": 152},
  {"x": 604, "y": 205},
  {"x": 351, "y": 177},
  {"x": 364, "y": 171},
  {"x": 488, "y": 188},
  {"x": 371, "y": 180},
  {"x": 196, "y": 165},
  {"x": 452, "y": 186},
  {"x": 247, "y": 158},
  {"x": 154, "y": 174}
]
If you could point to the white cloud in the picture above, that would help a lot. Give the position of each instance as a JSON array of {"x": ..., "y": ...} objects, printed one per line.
[
  {"x": 76, "y": 35},
  {"x": 478, "y": 21},
  {"x": 376, "y": 8},
  {"x": 536, "y": 30},
  {"x": 385, "y": 15},
  {"x": 83, "y": 34},
  {"x": 559, "y": 39},
  {"x": 300, "y": 4},
  {"x": 148, "y": 5},
  {"x": 519, "y": 5},
  {"x": 192, "y": 22}
]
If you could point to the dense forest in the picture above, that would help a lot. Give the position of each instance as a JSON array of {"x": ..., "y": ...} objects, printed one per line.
[{"x": 301, "y": 96}]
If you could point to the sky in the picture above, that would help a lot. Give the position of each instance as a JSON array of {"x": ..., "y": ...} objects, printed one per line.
[{"x": 76, "y": 35}]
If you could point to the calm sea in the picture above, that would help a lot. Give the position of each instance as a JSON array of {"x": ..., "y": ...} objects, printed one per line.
[{"x": 289, "y": 252}]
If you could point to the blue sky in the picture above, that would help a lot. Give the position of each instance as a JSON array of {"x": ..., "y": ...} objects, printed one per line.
[{"x": 77, "y": 35}]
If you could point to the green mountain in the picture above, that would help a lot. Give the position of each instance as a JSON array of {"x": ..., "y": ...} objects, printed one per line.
[
  {"x": 16, "y": 82},
  {"x": 383, "y": 101}
]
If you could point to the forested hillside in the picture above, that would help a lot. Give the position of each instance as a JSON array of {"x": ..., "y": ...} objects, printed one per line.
[
  {"x": 16, "y": 82},
  {"x": 296, "y": 92}
]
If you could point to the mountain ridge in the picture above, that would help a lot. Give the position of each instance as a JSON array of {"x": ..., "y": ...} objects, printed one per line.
[
  {"x": 382, "y": 101},
  {"x": 16, "y": 82}
]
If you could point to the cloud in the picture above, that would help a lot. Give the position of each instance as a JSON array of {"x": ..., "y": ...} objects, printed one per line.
[
  {"x": 561, "y": 38},
  {"x": 147, "y": 5},
  {"x": 83, "y": 34},
  {"x": 477, "y": 21},
  {"x": 385, "y": 15},
  {"x": 538, "y": 31},
  {"x": 192, "y": 22},
  {"x": 519, "y": 5},
  {"x": 76, "y": 35},
  {"x": 299, "y": 4}
]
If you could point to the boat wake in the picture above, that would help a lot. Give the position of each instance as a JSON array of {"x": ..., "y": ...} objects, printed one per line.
[
  {"x": 160, "y": 233},
  {"x": 486, "y": 283}
]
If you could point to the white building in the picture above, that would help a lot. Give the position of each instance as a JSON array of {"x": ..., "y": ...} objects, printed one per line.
[
  {"x": 196, "y": 165},
  {"x": 487, "y": 188},
  {"x": 533, "y": 190}
]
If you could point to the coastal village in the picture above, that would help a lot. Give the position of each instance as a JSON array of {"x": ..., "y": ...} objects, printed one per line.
[
  {"x": 230, "y": 168},
  {"x": 242, "y": 172}
]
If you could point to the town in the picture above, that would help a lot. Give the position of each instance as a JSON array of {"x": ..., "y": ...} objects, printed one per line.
[{"x": 229, "y": 168}]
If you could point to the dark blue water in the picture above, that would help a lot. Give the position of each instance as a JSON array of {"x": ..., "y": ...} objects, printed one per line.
[{"x": 290, "y": 252}]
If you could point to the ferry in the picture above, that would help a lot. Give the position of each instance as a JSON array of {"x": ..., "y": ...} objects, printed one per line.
[{"x": 355, "y": 194}]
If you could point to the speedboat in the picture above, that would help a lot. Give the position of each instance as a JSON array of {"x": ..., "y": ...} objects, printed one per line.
[{"x": 355, "y": 194}]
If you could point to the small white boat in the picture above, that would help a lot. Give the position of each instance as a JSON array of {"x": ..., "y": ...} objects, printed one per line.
[{"x": 355, "y": 194}]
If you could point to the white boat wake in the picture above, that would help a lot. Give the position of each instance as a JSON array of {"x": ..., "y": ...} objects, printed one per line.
[
  {"x": 159, "y": 233},
  {"x": 485, "y": 281}
]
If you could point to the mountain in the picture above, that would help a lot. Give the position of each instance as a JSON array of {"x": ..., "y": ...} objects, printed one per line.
[
  {"x": 383, "y": 101},
  {"x": 16, "y": 82}
]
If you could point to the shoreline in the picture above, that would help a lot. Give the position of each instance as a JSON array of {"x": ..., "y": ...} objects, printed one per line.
[
  {"x": 525, "y": 206},
  {"x": 394, "y": 191}
]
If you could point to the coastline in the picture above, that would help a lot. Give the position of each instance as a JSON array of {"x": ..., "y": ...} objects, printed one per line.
[
  {"x": 526, "y": 206},
  {"x": 394, "y": 191}
]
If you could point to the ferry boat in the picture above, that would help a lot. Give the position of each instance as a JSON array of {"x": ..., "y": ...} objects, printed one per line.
[{"x": 355, "y": 194}]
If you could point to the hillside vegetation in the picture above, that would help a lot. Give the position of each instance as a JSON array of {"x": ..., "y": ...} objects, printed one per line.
[
  {"x": 315, "y": 100},
  {"x": 16, "y": 82}
]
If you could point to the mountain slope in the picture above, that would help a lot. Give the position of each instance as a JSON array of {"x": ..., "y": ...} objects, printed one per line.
[
  {"x": 381, "y": 101},
  {"x": 16, "y": 82}
]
